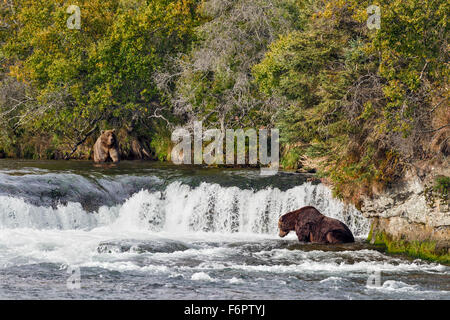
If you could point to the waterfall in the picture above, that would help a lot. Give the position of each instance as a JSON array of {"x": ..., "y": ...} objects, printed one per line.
[{"x": 180, "y": 208}]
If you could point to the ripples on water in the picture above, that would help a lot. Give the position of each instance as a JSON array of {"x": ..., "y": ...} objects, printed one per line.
[{"x": 142, "y": 230}]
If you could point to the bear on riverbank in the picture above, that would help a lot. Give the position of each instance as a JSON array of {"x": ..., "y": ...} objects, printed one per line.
[
  {"x": 106, "y": 148},
  {"x": 312, "y": 226}
]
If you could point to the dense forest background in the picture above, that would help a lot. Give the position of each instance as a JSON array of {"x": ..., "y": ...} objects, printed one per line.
[{"x": 357, "y": 104}]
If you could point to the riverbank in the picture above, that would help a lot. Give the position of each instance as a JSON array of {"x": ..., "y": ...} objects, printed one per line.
[{"x": 426, "y": 250}]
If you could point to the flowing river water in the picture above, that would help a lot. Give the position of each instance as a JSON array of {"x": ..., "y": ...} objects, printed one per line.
[{"x": 143, "y": 230}]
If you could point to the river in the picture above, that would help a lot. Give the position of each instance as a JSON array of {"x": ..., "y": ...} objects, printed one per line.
[{"x": 146, "y": 230}]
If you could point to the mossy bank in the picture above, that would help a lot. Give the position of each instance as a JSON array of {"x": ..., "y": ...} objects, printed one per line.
[{"x": 437, "y": 251}]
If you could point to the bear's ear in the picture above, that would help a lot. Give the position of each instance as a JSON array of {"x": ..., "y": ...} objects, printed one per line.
[
  {"x": 113, "y": 130},
  {"x": 102, "y": 131}
]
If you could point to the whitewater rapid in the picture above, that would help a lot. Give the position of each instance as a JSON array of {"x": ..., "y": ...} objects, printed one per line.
[{"x": 170, "y": 233}]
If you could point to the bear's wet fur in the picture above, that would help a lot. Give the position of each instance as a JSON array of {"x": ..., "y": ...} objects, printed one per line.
[
  {"x": 106, "y": 147},
  {"x": 312, "y": 226}
]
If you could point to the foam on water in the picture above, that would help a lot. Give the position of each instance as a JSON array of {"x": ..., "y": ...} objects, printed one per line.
[
  {"x": 201, "y": 276},
  {"x": 315, "y": 267}
]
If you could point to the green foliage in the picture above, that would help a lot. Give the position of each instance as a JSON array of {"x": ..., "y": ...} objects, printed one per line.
[
  {"x": 102, "y": 72},
  {"x": 291, "y": 158},
  {"x": 359, "y": 100},
  {"x": 161, "y": 143},
  {"x": 215, "y": 81},
  {"x": 426, "y": 250},
  {"x": 438, "y": 191},
  {"x": 442, "y": 185},
  {"x": 411, "y": 44}
]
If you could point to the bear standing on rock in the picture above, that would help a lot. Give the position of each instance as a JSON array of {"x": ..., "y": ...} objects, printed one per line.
[
  {"x": 312, "y": 226},
  {"x": 106, "y": 148}
]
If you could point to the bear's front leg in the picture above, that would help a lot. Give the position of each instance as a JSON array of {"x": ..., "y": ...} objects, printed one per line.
[
  {"x": 114, "y": 155},
  {"x": 303, "y": 233},
  {"x": 100, "y": 155}
]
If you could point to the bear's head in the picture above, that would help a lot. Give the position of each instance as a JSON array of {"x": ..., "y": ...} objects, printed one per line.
[
  {"x": 109, "y": 137},
  {"x": 287, "y": 222}
]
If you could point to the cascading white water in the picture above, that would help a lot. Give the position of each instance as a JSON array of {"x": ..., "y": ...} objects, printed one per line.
[
  {"x": 178, "y": 233},
  {"x": 180, "y": 208}
]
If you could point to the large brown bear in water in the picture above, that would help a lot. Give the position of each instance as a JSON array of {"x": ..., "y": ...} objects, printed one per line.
[
  {"x": 106, "y": 148},
  {"x": 312, "y": 226}
]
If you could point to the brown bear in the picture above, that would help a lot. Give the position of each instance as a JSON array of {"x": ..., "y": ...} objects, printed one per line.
[
  {"x": 106, "y": 148},
  {"x": 312, "y": 226}
]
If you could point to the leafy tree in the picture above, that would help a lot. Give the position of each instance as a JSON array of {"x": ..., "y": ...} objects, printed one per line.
[
  {"x": 101, "y": 73},
  {"x": 359, "y": 100},
  {"x": 213, "y": 82}
]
